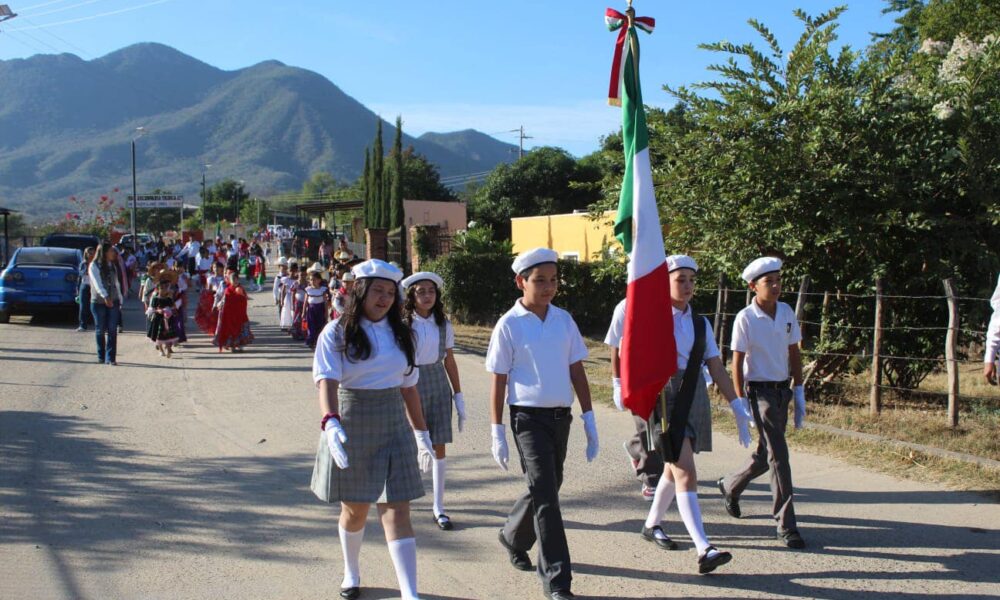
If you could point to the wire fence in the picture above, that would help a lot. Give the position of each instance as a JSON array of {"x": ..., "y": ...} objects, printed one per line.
[{"x": 846, "y": 335}]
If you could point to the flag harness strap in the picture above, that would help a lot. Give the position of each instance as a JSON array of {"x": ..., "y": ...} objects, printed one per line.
[{"x": 672, "y": 434}]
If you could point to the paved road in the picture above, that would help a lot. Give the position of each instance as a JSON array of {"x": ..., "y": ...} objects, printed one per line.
[{"x": 188, "y": 478}]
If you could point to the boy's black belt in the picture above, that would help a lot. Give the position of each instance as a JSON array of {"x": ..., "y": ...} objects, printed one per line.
[
  {"x": 557, "y": 411},
  {"x": 770, "y": 385}
]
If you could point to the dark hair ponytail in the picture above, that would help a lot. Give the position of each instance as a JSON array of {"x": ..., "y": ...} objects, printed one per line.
[{"x": 357, "y": 345}]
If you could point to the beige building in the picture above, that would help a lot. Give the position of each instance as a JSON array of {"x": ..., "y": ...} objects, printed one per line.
[
  {"x": 450, "y": 216},
  {"x": 575, "y": 236}
]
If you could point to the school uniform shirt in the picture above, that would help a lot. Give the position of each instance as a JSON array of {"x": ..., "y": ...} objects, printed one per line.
[
  {"x": 205, "y": 264},
  {"x": 214, "y": 282},
  {"x": 386, "y": 368},
  {"x": 683, "y": 334},
  {"x": 765, "y": 341},
  {"x": 429, "y": 338},
  {"x": 536, "y": 355},
  {"x": 993, "y": 331}
]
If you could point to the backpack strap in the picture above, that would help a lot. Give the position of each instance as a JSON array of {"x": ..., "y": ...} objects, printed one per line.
[{"x": 685, "y": 396}]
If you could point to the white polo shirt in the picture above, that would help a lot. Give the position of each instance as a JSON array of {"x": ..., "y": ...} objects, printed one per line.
[
  {"x": 536, "y": 356},
  {"x": 765, "y": 341},
  {"x": 683, "y": 334},
  {"x": 385, "y": 368}
]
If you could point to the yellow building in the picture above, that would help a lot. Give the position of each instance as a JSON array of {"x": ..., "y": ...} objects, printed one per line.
[{"x": 574, "y": 236}]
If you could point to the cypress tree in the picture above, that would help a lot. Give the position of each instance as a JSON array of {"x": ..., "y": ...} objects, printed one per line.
[
  {"x": 384, "y": 207},
  {"x": 396, "y": 208},
  {"x": 365, "y": 192},
  {"x": 378, "y": 165}
]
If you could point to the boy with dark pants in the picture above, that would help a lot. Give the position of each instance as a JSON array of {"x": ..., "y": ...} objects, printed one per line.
[
  {"x": 536, "y": 355},
  {"x": 765, "y": 352}
]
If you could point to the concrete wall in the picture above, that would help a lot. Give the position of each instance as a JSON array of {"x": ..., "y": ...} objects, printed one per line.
[
  {"x": 451, "y": 216},
  {"x": 572, "y": 235}
]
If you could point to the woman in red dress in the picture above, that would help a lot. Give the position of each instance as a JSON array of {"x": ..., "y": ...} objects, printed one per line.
[
  {"x": 233, "y": 331},
  {"x": 207, "y": 316}
]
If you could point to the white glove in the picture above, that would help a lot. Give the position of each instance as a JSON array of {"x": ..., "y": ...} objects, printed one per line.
[
  {"x": 617, "y": 383},
  {"x": 800, "y": 406},
  {"x": 335, "y": 440},
  {"x": 741, "y": 411},
  {"x": 500, "y": 452},
  {"x": 425, "y": 450},
  {"x": 460, "y": 409},
  {"x": 590, "y": 427}
]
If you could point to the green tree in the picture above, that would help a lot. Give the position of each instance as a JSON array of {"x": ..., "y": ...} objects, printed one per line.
[
  {"x": 380, "y": 215},
  {"x": 221, "y": 201},
  {"x": 321, "y": 185},
  {"x": 546, "y": 181},
  {"x": 421, "y": 179},
  {"x": 366, "y": 190},
  {"x": 398, "y": 178},
  {"x": 851, "y": 166}
]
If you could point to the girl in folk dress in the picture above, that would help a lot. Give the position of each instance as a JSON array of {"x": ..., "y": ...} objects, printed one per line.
[
  {"x": 317, "y": 306},
  {"x": 299, "y": 306},
  {"x": 160, "y": 312},
  {"x": 364, "y": 368},
  {"x": 276, "y": 287},
  {"x": 424, "y": 312},
  {"x": 180, "y": 303},
  {"x": 233, "y": 331},
  {"x": 207, "y": 316},
  {"x": 259, "y": 268},
  {"x": 287, "y": 296}
]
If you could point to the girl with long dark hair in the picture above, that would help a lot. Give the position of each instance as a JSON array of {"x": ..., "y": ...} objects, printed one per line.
[
  {"x": 439, "y": 384},
  {"x": 105, "y": 301},
  {"x": 365, "y": 370}
]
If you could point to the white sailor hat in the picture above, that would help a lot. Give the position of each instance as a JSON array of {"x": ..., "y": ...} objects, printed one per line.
[
  {"x": 681, "y": 261},
  {"x": 424, "y": 276},
  {"x": 282, "y": 261},
  {"x": 532, "y": 258},
  {"x": 761, "y": 266},
  {"x": 378, "y": 269}
]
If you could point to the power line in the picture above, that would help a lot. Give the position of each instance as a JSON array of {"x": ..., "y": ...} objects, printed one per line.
[
  {"x": 91, "y": 17},
  {"x": 43, "y": 4},
  {"x": 65, "y": 8}
]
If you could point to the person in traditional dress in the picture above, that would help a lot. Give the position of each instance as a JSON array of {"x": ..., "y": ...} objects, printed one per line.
[
  {"x": 439, "y": 385},
  {"x": 375, "y": 440},
  {"x": 207, "y": 317},
  {"x": 276, "y": 291},
  {"x": 180, "y": 303},
  {"x": 160, "y": 312},
  {"x": 342, "y": 297},
  {"x": 259, "y": 268},
  {"x": 317, "y": 305},
  {"x": 287, "y": 296},
  {"x": 298, "y": 293},
  {"x": 233, "y": 331}
]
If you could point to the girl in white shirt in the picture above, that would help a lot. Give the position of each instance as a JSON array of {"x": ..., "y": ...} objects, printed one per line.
[
  {"x": 423, "y": 311},
  {"x": 364, "y": 368}
]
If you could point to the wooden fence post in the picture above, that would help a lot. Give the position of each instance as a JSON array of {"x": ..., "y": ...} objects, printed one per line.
[
  {"x": 824, "y": 317},
  {"x": 722, "y": 325},
  {"x": 718, "y": 310},
  {"x": 800, "y": 307},
  {"x": 875, "y": 399},
  {"x": 950, "y": 352}
]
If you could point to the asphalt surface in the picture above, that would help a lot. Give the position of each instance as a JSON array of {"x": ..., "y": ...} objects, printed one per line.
[{"x": 188, "y": 478}]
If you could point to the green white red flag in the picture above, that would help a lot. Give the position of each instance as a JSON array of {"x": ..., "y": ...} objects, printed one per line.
[{"x": 648, "y": 352}]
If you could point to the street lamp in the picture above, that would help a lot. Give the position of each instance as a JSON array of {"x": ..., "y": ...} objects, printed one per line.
[
  {"x": 204, "y": 196},
  {"x": 139, "y": 132}
]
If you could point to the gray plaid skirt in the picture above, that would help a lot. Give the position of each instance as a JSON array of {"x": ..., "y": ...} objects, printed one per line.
[
  {"x": 381, "y": 452},
  {"x": 699, "y": 425},
  {"x": 435, "y": 399}
]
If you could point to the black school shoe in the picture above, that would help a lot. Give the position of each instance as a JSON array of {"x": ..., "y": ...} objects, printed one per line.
[
  {"x": 649, "y": 534},
  {"x": 732, "y": 504},
  {"x": 351, "y": 593},
  {"x": 444, "y": 522},
  {"x": 707, "y": 565},
  {"x": 560, "y": 595},
  {"x": 792, "y": 539},
  {"x": 518, "y": 558}
]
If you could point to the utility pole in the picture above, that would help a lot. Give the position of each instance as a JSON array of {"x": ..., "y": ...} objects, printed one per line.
[
  {"x": 520, "y": 132},
  {"x": 204, "y": 197},
  {"x": 135, "y": 193}
]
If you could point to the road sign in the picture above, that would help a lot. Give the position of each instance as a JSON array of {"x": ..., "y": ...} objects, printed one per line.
[{"x": 158, "y": 201}]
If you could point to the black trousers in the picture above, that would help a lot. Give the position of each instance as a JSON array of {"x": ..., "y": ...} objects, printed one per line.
[{"x": 541, "y": 436}]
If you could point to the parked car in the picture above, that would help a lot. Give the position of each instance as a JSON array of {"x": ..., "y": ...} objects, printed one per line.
[
  {"x": 78, "y": 241},
  {"x": 40, "y": 279},
  {"x": 143, "y": 239}
]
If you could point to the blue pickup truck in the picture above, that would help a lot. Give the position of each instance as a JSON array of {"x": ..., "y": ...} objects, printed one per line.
[{"x": 40, "y": 279}]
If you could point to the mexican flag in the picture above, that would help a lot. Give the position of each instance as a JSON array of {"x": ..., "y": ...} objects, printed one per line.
[{"x": 648, "y": 352}]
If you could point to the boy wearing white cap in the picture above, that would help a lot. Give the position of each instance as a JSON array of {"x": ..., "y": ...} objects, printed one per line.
[
  {"x": 765, "y": 356},
  {"x": 536, "y": 356},
  {"x": 992, "y": 348}
]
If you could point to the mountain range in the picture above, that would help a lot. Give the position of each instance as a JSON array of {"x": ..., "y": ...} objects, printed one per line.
[{"x": 66, "y": 125}]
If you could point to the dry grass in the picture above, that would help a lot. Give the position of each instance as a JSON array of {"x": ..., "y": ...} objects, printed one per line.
[{"x": 921, "y": 424}]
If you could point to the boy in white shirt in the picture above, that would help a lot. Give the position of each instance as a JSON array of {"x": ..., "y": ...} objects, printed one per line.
[
  {"x": 765, "y": 354},
  {"x": 536, "y": 356},
  {"x": 992, "y": 348}
]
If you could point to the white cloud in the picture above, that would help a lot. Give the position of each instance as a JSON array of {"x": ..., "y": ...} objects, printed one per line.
[{"x": 576, "y": 127}]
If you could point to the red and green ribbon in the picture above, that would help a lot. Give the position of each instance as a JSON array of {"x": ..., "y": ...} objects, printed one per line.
[{"x": 617, "y": 21}]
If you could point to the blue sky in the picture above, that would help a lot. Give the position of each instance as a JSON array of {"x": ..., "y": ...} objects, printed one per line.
[{"x": 443, "y": 65}]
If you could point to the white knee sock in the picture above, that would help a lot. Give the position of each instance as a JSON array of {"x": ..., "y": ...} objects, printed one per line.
[
  {"x": 438, "y": 471},
  {"x": 661, "y": 502},
  {"x": 350, "y": 543},
  {"x": 687, "y": 504},
  {"x": 404, "y": 558}
]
